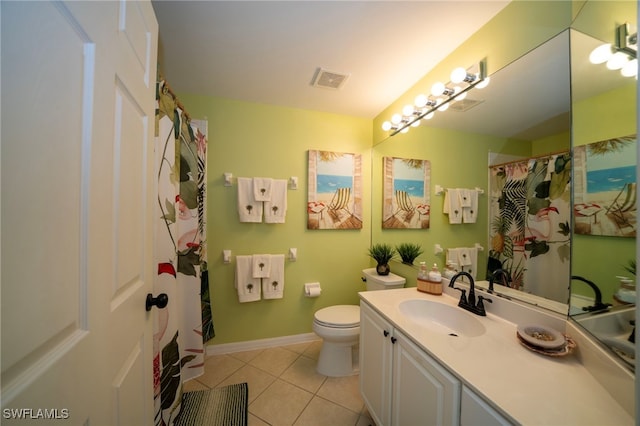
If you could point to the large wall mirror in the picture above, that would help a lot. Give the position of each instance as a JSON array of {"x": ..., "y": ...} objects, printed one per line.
[
  {"x": 545, "y": 102},
  {"x": 604, "y": 141}
]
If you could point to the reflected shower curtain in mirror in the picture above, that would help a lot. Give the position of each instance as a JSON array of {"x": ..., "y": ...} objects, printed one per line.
[
  {"x": 529, "y": 215},
  {"x": 185, "y": 324}
]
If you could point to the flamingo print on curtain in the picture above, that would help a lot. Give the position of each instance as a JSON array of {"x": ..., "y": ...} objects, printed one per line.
[
  {"x": 529, "y": 216},
  {"x": 185, "y": 324}
]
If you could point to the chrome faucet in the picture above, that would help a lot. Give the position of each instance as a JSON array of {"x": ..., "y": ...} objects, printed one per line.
[{"x": 469, "y": 303}]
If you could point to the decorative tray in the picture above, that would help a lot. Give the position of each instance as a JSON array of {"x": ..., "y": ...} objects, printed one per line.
[
  {"x": 541, "y": 336},
  {"x": 563, "y": 350}
]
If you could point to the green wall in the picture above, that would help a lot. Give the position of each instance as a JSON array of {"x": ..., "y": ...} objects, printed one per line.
[{"x": 252, "y": 140}]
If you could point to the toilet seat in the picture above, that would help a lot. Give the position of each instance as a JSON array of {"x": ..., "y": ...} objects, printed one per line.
[{"x": 339, "y": 316}]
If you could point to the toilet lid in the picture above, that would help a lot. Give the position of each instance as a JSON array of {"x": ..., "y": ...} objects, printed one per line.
[{"x": 342, "y": 316}]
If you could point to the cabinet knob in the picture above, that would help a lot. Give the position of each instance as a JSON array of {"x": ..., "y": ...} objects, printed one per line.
[
  {"x": 393, "y": 340},
  {"x": 386, "y": 333}
]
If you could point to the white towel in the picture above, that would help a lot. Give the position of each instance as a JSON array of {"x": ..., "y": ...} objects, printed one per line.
[
  {"x": 248, "y": 287},
  {"x": 261, "y": 265},
  {"x": 249, "y": 209},
  {"x": 273, "y": 287},
  {"x": 470, "y": 212},
  {"x": 453, "y": 255},
  {"x": 262, "y": 188},
  {"x": 468, "y": 260},
  {"x": 465, "y": 197},
  {"x": 452, "y": 205},
  {"x": 275, "y": 210}
]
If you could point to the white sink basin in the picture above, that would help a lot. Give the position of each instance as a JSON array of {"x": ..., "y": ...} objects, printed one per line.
[
  {"x": 613, "y": 328},
  {"x": 443, "y": 318}
]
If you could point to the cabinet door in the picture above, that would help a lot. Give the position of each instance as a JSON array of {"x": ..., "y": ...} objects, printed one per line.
[
  {"x": 474, "y": 411},
  {"x": 375, "y": 364},
  {"x": 424, "y": 393}
]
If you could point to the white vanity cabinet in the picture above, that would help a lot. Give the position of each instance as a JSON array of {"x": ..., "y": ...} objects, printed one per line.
[
  {"x": 399, "y": 382},
  {"x": 474, "y": 411}
]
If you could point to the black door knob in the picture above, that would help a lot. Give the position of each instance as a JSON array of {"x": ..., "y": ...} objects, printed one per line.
[{"x": 160, "y": 301}]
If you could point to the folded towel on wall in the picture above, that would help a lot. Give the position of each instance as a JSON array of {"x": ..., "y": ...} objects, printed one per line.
[
  {"x": 247, "y": 286},
  {"x": 452, "y": 205},
  {"x": 261, "y": 265},
  {"x": 275, "y": 209},
  {"x": 470, "y": 212},
  {"x": 273, "y": 286},
  {"x": 465, "y": 197},
  {"x": 262, "y": 188},
  {"x": 249, "y": 209},
  {"x": 466, "y": 258}
]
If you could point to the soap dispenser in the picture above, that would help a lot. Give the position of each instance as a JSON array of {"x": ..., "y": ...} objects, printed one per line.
[
  {"x": 626, "y": 294},
  {"x": 432, "y": 281},
  {"x": 449, "y": 270}
]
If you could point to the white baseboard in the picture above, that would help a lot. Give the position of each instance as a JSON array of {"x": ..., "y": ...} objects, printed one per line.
[{"x": 227, "y": 348}]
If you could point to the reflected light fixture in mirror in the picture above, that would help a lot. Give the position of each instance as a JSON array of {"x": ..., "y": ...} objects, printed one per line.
[
  {"x": 622, "y": 56},
  {"x": 441, "y": 95}
]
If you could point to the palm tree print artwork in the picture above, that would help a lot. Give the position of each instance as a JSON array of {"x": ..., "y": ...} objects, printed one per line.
[
  {"x": 605, "y": 187},
  {"x": 335, "y": 190},
  {"x": 406, "y": 203}
]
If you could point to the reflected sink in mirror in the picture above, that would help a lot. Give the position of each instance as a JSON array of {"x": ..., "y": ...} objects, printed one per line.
[
  {"x": 613, "y": 328},
  {"x": 442, "y": 318}
]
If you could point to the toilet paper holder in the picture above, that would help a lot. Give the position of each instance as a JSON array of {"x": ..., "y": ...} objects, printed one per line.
[{"x": 312, "y": 289}]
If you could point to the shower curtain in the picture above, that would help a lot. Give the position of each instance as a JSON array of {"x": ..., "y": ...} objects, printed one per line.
[
  {"x": 180, "y": 329},
  {"x": 530, "y": 230}
]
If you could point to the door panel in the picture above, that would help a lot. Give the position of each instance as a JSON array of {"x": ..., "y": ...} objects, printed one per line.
[{"x": 78, "y": 100}]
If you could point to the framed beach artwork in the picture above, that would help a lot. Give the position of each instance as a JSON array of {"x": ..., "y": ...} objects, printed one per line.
[
  {"x": 605, "y": 187},
  {"x": 335, "y": 190},
  {"x": 406, "y": 197}
]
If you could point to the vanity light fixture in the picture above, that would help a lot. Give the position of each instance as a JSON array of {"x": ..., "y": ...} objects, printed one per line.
[
  {"x": 441, "y": 95},
  {"x": 621, "y": 56}
]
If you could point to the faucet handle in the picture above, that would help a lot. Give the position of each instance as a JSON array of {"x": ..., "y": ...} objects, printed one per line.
[
  {"x": 463, "y": 296},
  {"x": 480, "y": 305}
]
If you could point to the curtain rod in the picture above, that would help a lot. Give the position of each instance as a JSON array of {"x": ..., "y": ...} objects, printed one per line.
[{"x": 530, "y": 158}]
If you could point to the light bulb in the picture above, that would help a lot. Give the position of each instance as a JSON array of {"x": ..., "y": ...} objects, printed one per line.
[
  {"x": 386, "y": 126},
  {"x": 429, "y": 116},
  {"x": 421, "y": 101},
  {"x": 396, "y": 118},
  {"x": 459, "y": 96},
  {"x": 630, "y": 69},
  {"x": 617, "y": 61},
  {"x": 405, "y": 130},
  {"x": 415, "y": 123},
  {"x": 443, "y": 107},
  {"x": 437, "y": 89},
  {"x": 484, "y": 83},
  {"x": 458, "y": 75},
  {"x": 407, "y": 111},
  {"x": 600, "y": 54}
]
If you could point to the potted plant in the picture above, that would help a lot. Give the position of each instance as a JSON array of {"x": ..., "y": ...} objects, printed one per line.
[
  {"x": 409, "y": 252},
  {"x": 382, "y": 254}
]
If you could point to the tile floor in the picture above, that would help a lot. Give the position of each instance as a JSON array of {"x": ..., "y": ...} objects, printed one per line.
[{"x": 285, "y": 389}]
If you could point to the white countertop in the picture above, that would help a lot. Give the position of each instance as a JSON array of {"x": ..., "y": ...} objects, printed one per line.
[{"x": 531, "y": 388}]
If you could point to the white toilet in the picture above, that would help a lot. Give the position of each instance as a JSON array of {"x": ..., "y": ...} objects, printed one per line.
[{"x": 339, "y": 327}]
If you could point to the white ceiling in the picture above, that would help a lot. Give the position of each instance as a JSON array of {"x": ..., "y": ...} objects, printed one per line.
[{"x": 269, "y": 51}]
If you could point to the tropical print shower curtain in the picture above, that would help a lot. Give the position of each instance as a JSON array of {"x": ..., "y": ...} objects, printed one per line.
[
  {"x": 529, "y": 223},
  {"x": 180, "y": 253}
]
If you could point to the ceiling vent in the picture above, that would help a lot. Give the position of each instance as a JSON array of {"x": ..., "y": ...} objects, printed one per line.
[
  {"x": 328, "y": 79},
  {"x": 464, "y": 105}
]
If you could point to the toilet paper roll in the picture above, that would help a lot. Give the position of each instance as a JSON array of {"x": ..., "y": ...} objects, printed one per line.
[{"x": 312, "y": 290}]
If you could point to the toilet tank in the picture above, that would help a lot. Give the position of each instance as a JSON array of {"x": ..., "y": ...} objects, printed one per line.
[{"x": 381, "y": 282}]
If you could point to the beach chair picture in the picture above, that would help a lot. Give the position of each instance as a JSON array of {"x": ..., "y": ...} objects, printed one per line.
[
  {"x": 335, "y": 190},
  {"x": 605, "y": 200},
  {"x": 406, "y": 203}
]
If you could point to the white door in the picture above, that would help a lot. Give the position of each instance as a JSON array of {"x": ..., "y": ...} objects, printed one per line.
[{"x": 78, "y": 100}]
